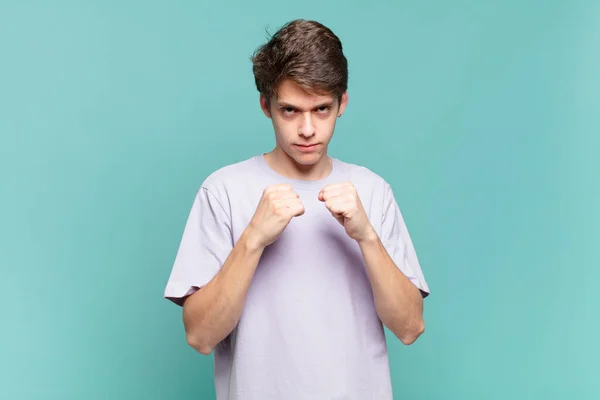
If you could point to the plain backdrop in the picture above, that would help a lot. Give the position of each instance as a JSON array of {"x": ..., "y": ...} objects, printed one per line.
[{"x": 483, "y": 115}]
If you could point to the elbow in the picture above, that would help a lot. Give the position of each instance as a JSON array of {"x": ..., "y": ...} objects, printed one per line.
[
  {"x": 198, "y": 344},
  {"x": 193, "y": 333},
  {"x": 205, "y": 350},
  {"x": 411, "y": 335}
]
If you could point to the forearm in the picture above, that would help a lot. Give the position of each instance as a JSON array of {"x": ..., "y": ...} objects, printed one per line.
[
  {"x": 210, "y": 314},
  {"x": 398, "y": 301}
]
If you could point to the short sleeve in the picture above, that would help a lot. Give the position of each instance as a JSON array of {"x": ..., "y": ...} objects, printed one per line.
[
  {"x": 204, "y": 247},
  {"x": 398, "y": 243}
]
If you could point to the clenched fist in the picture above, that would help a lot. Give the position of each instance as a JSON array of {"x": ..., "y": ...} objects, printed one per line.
[
  {"x": 344, "y": 204},
  {"x": 277, "y": 206}
]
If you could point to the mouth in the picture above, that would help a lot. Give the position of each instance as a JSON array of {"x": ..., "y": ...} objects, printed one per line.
[{"x": 306, "y": 147}]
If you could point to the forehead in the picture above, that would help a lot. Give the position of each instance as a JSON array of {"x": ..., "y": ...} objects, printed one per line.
[{"x": 290, "y": 93}]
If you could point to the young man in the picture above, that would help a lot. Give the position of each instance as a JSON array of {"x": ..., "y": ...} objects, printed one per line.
[{"x": 291, "y": 261}]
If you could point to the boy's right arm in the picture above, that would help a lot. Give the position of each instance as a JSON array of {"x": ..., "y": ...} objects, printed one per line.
[{"x": 212, "y": 312}]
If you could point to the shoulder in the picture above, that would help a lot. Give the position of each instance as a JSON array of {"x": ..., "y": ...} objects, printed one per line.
[
  {"x": 222, "y": 184},
  {"x": 362, "y": 176},
  {"x": 221, "y": 179}
]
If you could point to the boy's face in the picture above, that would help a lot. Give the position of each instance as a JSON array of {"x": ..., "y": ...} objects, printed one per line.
[{"x": 303, "y": 123}]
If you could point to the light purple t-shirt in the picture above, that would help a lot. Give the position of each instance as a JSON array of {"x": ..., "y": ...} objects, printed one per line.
[{"x": 309, "y": 329}]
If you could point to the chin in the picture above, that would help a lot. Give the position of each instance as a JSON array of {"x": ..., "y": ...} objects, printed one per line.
[{"x": 307, "y": 158}]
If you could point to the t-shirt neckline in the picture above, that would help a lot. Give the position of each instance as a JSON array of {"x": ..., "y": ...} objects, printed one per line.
[{"x": 333, "y": 177}]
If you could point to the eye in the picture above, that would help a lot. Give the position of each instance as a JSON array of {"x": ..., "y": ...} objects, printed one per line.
[
  {"x": 287, "y": 110},
  {"x": 323, "y": 109}
]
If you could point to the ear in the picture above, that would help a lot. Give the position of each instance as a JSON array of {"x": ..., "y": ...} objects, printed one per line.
[
  {"x": 343, "y": 103},
  {"x": 264, "y": 105}
]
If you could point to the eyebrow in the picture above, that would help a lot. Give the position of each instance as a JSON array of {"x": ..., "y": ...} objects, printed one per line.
[{"x": 324, "y": 104}]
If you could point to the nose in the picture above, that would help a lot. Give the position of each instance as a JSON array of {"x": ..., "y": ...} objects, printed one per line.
[{"x": 307, "y": 128}]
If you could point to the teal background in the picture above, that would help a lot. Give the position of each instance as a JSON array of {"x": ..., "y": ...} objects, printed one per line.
[{"x": 484, "y": 117}]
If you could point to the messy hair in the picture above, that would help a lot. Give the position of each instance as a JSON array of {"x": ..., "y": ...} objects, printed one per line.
[{"x": 305, "y": 52}]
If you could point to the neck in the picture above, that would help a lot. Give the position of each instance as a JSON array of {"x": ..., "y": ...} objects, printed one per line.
[{"x": 286, "y": 166}]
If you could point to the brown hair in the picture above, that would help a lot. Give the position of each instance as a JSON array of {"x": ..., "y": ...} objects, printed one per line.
[{"x": 306, "y": 52}]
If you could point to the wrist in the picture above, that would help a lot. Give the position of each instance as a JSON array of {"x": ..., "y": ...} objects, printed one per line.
[
  {"x": 252, "y": 240},
  {"x": 370, "y": 237}
]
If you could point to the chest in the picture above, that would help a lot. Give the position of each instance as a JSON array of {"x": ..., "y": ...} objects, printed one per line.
[{"x": 315, "y": 226}]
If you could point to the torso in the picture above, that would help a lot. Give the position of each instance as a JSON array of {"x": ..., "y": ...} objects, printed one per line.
[{"x": 309, "y": 329}]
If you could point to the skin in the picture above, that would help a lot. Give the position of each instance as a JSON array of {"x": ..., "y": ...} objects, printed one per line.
[{"x": 301, "y": 119}]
